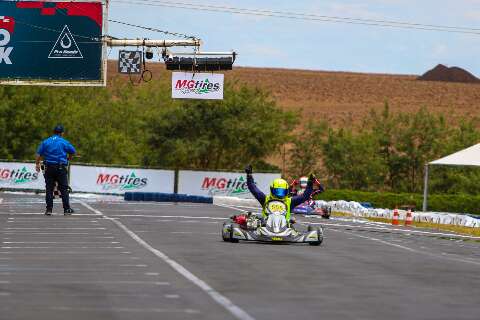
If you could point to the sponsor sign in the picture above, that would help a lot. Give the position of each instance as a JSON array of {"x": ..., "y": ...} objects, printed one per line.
[
  {"x": 65, "y": 46},
  {"x": 20, "y": 176},
  {"x": 7, "y": 25},
  {"x": 187, "y": 85},
  {"x": 52, "y": 42},
  {"x": 120, "y": 180},
  {"x": 208, "y": 183}
]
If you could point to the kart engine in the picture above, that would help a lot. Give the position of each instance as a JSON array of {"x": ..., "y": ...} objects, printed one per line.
[{"x": 252, "y": 222}]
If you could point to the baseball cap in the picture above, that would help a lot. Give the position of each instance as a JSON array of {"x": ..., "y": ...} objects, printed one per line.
[{"x": 58, "y": 129}]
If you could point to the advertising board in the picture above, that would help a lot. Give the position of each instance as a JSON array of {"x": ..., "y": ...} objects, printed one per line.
[
  {"x": 120, "y": 180},
  {"x": 52, "y": 42},
  {"x": 186, "y": 85},
  {"x": 231, "y": 184},
  {"x": 15, "y": 175}
]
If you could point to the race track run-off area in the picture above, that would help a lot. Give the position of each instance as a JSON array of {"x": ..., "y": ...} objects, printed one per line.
[{"x": 128, "y": 260}]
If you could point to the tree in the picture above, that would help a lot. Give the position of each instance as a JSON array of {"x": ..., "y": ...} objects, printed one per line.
[
  {"x": 244, "y": 128},
  {"x": 352, "y": 161},
  {"x": 306, "y": 153},
  {"x": 421, "y": 139}
]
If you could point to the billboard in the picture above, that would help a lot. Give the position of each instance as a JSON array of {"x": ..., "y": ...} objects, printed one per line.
[
  {"x": 52, "y": 42},
  {"x": 119, "y": 180},
  {"x": 229, "y": 184},
  {"x": 20, "y": 176},
  {"x": 187, "y": 85}
]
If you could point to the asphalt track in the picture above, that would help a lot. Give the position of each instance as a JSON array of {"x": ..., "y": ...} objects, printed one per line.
[{"x": 118, "y": 260}]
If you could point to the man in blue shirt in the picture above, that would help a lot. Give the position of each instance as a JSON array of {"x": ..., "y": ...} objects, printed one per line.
[{"x": 55, "y": 152}]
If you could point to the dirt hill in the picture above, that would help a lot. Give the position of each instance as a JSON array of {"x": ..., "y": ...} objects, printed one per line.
[
  {"x": 343, "y": 96},
  {"x": 452, "y": 74}
]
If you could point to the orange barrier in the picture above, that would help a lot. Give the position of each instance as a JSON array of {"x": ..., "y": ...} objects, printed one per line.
[
  {"x": 396, "y": 215},
  {"x": 409, "y": 218}
]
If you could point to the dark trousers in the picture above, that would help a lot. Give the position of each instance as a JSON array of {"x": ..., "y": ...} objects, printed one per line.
[{"x": 58, "y": 174}]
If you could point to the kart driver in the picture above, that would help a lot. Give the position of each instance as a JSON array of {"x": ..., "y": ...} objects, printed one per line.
[
  {"x": 279, "y": 189},
  {"x": 299, "y": 186}
]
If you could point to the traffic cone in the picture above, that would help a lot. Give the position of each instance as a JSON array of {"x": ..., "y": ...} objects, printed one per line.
[
  {"x": 409, "y": 218},
  {"x": 396, "y": 215}
]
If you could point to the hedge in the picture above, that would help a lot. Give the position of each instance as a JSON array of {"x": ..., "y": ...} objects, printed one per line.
[{"x": 459, "y": 203}]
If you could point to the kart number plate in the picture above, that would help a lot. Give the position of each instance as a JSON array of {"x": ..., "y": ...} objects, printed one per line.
[
  {"x": 277, "y": 207},
  {"x": 277, "y": 238}
]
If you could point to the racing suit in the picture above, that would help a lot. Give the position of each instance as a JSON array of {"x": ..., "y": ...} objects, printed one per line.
[{"x": 294, "y": 201}]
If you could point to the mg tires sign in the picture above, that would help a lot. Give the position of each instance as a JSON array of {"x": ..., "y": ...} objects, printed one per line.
[
  {"x": 197, "y": 85},
  {"x": 120, "y": 180},
  {"x": 20, "y": 176},
  {"x": 230, "y": 184}
]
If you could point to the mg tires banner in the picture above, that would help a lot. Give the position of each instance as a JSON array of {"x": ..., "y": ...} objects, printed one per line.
[
  {"x": 120, "y": 180},
  {"x": 51, "y": 42},
  {"x": 20, "y": 176},
  {"x": 208, "y": 183},
  {"x": 187, "y": 85}
]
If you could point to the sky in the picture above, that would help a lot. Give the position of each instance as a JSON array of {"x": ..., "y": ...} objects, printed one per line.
[{"x": 312, "y": 45}]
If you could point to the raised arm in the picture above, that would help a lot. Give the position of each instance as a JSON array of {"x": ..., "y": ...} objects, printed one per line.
[
  {"x": 297, "y": 200},
  {"x": 257, "y": 193}
]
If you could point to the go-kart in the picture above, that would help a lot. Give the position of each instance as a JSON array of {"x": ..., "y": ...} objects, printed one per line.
[
  {"x": 310, "y": 207},
  {"x": 274, "y": 229}
]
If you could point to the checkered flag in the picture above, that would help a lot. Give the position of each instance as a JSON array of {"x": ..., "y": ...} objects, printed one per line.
[{"x": 130, "y": 62}]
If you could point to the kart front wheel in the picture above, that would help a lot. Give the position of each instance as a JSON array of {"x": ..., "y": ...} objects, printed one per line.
[
  {"x": 226, "y": 232},
  {"x": 233, "y": 226}
]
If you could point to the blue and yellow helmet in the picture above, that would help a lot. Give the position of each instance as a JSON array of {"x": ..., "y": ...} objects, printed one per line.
[{"x": 279, "y": 188}]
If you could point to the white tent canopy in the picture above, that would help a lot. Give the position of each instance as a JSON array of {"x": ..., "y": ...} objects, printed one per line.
[{"x": 465, "y": 157}]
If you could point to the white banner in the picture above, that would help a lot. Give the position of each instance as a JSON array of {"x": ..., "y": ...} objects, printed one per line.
[
  {"x": 120, "y": 180},
  {"x": 187, "y": 85},
  {"x": 210, "y": 183},
  {"x": 15, "y": 175}
]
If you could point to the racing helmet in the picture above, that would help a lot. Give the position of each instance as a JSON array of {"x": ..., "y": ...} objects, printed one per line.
[
  {"x": 303, "y": 182},
  {"x": 279, "y": 188}
]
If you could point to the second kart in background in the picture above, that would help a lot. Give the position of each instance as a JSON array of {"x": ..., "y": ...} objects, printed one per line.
[{"x": 310, "y": 207}]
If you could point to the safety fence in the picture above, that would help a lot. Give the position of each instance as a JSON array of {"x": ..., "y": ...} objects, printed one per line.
[
  {"x": 119, "y": 180},
  {"x": 356, "y": 209}
]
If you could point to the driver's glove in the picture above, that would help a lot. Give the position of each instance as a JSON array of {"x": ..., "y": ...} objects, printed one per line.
[
  {"x": 249, "y": 170},
  {"x": 311, "y": 180}
]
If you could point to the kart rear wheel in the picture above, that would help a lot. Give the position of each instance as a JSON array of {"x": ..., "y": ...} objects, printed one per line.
[
  {"x": 319, "y": 233},
  {"x": 233, "y": 225}
]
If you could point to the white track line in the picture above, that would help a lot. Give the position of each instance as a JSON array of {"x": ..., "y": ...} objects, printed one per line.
[
  {"x": 230, "y": 207},
  {"x": 57, "y": 242},
  {"x": 40, "y": 213},
  {"x": 155, "y": 216},
  {"x": 362, "y": 226},
  {"x": 235, "y": 310},
  {"x": 86, "y": 205},
  {"x": 56, "y": 247},
  {"x": 442, "y": 256},
  {"x": 59, "y": 228}
]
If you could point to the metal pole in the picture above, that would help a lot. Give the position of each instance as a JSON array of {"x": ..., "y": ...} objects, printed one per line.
[
  {"x": 200, "y": 53},
  {"x": 425, "y": 189},
  {"x": 175, "y": 181},
  {"x": 151, "y": 43},
  {"x": 104, "y": 47}
]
